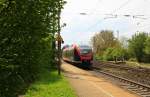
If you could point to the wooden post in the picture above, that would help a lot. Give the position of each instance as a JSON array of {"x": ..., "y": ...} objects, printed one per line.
[
  {"x": 59, "y": 42},
  {"x": 59, "y": 57}
]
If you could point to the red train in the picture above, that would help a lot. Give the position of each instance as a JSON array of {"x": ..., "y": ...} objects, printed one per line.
[{"x": 80, "y": 54}]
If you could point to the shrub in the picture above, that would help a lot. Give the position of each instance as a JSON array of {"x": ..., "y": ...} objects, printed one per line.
[
  {"x": 27, "y": 28},
  {"x": 137, "y": 45},
  {"x": 108, "y": 54}
]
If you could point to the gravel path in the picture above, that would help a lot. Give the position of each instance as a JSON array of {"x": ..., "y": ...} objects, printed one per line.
[{"x": 87, "y": 85}]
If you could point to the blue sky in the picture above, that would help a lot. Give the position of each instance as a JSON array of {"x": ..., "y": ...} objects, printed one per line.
[{"x": 80, "y": 28}]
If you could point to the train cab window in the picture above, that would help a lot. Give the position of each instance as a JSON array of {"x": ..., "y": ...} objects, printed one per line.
[{"x": 84, "y": 49}]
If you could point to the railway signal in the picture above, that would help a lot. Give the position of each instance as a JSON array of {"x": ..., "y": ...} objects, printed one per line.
[{"x": 59, "y": 40}]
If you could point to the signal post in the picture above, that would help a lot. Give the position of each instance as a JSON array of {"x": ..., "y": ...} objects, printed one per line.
[{"x": 59, "y": 40}]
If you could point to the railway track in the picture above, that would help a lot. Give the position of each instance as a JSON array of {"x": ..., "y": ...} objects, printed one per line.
[
  {"x": 138, "y": 74},
  {"x": 138, "y": 88},
  {"x": 121, "y": 66}
]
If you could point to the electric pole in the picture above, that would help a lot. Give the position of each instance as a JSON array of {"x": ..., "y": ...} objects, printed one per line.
[
  {"x": 59, "y": 41},
  {"x": 118, "y": 34}
]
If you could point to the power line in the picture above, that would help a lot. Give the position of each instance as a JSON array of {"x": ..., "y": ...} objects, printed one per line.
[
  {"x": 116, "y": 15},
  {"x": 95, "y": 24},
  {"x": 121, "y": 6},
  {"x": 144, "y": 26}
]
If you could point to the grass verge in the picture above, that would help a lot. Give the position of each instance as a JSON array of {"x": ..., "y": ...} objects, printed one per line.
[
  {"x": 50, "y": 85},
  {"x": 135, "y": 64},
  {"x": 146, "y": 65}
]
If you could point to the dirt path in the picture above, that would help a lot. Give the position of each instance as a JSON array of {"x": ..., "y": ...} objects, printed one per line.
[{"x": 87, "y": 85}]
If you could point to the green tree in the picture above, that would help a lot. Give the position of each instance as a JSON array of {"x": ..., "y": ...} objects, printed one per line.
[
  {"x": 103, "y": 40},
  {"x": 137, "y": 45},
  {"x": 27, "y": 29},
  {"x": 147, "y": 46},
  {"x": 115, "y": 54},
  {"x": 108, "y": 54},
  {"x": 119, "y": 53}
]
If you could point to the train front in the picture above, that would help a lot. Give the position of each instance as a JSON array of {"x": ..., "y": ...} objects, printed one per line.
[{"x": 86, "y": 55}]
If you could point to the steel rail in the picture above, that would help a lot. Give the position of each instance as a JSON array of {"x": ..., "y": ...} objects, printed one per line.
[{"x": 132, "y": 83}]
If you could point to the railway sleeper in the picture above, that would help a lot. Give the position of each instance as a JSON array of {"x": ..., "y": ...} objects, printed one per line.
[
  {"x": 142, "y": 91},
  {"x": 132, "y": 85},
  {"x": 145, "y": 95},
  {"x": 148, "y": 93},
  {"x": 132, "y": 88}
]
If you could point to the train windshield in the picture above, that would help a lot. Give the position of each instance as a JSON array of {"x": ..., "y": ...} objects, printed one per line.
[{"x": 84, "y": 49}]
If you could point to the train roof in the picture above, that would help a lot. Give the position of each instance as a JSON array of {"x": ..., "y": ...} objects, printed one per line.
[
  {"x": 79, "y": 46},
  {"x": 84, "y": 46}
]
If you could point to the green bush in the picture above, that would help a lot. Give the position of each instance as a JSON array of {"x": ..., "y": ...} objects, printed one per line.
[
  {"x": 111, "y": 54},
  {"x": 137, "y": 46},
  {"x": 147, "y": 46},
  {"x": 108, "y": 55},
  {"x": 133, "y": 59},
  {"x": 27, "y": 29},
  {"x": 98, "y": 57}
]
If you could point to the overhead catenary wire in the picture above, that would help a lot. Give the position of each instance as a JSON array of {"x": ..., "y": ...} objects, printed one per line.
[
  {"x": 134, "y": 16},
  {"x": 95, "y": 24},
  {"x": 121, "y": 6},
  {"x": 138, "y": 16}
]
